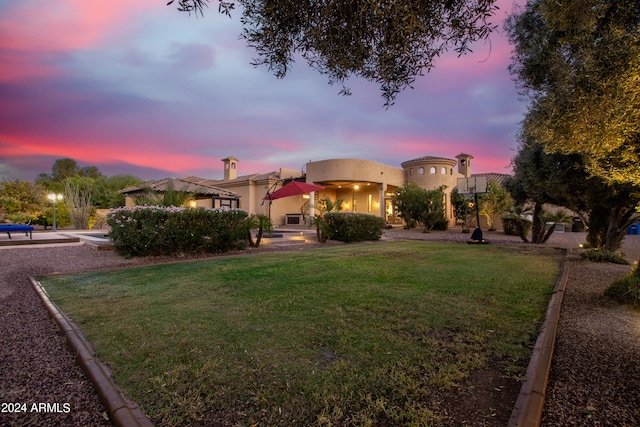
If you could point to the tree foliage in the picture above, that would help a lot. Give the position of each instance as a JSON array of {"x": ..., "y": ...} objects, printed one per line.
[
  {"x": 21, "y": 201},
  {"x": 106, "y": 191},
  {"x": 77, "y": 198},
  {"x": 417, "y": 205},
  {"x": 563, "y": 180},
  {"x": 494, "y": 203},
  {"x": 579, "y": 63},
  {"x": 463, "y": 208},
  {"x": 388, "y": 42},
  {"x": 539, "y": 178}
]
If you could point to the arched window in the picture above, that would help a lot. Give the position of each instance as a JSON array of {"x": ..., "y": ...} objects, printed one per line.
[
  {"x": 443, "y": 171},
  {"x": 421, "y": 171},
  {"x": 432, "y": 170}
]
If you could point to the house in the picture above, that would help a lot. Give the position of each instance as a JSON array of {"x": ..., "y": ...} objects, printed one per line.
[{"x": 365, "y": 186}]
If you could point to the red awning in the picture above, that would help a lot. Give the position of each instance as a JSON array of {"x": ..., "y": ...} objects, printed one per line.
[{"x": 293, "y": 188}]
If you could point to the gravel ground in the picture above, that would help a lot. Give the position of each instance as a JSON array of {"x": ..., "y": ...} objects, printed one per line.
[
  {"x": 35, "y": 364},
  {"x": 595, "y": 378}
]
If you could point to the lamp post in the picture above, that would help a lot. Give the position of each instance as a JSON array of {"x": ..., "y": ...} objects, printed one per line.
[{"x": 54, "y": 198}]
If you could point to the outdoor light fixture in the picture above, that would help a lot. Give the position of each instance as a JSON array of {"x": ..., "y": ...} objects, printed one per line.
[{"x": 54, "y": 197}]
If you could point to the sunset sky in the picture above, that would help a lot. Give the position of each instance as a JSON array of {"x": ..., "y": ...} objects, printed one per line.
[{"x": 136, "y": 87}]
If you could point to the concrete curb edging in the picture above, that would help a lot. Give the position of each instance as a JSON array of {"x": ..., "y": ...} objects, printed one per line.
[
  {"x": 527, "y": 411},
  {"x": 123, "y": 412}
]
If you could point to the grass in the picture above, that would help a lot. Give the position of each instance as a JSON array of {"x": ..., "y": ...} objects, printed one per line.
[{"x": 361, "y": 334}]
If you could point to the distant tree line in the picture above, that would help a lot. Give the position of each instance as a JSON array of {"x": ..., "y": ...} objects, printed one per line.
[{"x": 84, "y": 190}]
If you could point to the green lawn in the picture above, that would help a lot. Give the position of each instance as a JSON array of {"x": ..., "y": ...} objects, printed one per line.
[{"x": 359, "y": 334}]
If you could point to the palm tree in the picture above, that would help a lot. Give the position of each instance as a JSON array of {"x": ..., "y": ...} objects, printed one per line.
[
  {"x": 324, "y": 206},
  {"x": 261, "y": 222}
]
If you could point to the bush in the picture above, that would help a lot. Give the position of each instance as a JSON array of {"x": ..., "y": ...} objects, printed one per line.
[
  {"x": 352, "y": 227},
  {"x": 441, "y": 225},
  {"x": 627, "y": 289},
  {"x": 154, "y": 230},
  {"x": 603, "y": 255}
]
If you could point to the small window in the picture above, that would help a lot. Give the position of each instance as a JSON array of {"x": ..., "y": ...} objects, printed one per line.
[
  {"x": 410, "y": 171},
  {"x": 421, "y": 171},
  {"x": 432, "y": 170},
  {"x": 443, "y": 171}
]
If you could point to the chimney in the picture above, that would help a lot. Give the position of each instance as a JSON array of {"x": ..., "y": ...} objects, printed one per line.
[
  {"x": 464, "y": 164},
  {"x": 230, "y": 168}
]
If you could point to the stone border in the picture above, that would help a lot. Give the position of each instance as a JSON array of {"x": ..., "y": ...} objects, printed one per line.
[
  {"x": 123, "y": 412},
  {"x": 527, "y": 411},
  {"x": 36, "y": 241}
]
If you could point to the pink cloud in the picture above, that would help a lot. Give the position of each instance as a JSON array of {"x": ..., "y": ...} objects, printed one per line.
[{"x": 66, "y": 24}]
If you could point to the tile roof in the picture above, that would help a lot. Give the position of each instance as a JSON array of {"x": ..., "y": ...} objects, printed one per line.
[
  {"x": 247, "y": 178},
  {"x": 190, "y": 184},
  {"x": 495, "y": 177}
]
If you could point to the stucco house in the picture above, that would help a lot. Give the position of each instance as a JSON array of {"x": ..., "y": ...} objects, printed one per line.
[{"x": 365, "y": 186}]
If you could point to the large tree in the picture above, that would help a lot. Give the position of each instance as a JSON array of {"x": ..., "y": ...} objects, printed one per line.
[
  {"x": 388, "y": 42},
  {"x": 579, "y": 63},
  {"x": 21, "y": 200},
  {"x": 495, "y": 203},
  {"x": 538, "y": 179},
  {"x": 563, "y": 179},
  {"x": 417, "y": 205}
]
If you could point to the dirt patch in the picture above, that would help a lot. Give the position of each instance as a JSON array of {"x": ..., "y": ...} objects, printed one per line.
[{"x": 486, "y": 399}]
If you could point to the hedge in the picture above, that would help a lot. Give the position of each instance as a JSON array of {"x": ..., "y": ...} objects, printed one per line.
[
  {"x": 155, "y": 230},
  {"x": 352, "y": 227}
]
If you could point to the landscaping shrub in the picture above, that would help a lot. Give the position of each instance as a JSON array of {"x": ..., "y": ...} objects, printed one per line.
[
  {"x": 441, "y": 225},
  {"x": 352, "y": 227},
  {"x": 627, "y": 289},
  {"x": 603, "y": 255},
  {"x": 155, "y": 230}
]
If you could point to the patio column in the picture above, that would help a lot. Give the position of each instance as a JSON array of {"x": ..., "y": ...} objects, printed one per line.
[
  {"x": 312, "y": 202},
  {"x": 381, "y": 190}
]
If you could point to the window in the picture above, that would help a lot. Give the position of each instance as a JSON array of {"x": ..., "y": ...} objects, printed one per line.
[
  {"x": 432, "y": 170},
  {"x": 354, "y": 203},
  {"x": 410, "y": 171},
  {"x": 443, "y": 171},
  {"x": 369, "y": 202},
  {"x": 225, "y": 202},
  {"x": 421, "y": 171}
]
